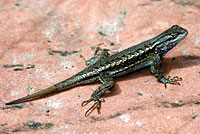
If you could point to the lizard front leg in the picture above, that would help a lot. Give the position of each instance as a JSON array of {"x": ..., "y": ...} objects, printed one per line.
[
  {"x": 155, "y": 70},
  {"x": 107, "y": 83}
]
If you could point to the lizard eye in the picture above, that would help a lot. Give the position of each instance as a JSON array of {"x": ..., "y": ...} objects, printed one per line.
[{"x": 173, "y": 35}]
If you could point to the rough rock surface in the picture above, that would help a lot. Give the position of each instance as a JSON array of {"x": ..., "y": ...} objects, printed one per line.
[{"x": 40, "y": 44}]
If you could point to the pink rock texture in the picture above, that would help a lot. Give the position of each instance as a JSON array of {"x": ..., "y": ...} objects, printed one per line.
[{"x": 41, "y": 43}]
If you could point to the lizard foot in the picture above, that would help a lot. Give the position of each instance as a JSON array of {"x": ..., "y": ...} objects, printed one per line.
[
  {"x": 96, "y": 105},
  {"x": 173, "y": 80}
]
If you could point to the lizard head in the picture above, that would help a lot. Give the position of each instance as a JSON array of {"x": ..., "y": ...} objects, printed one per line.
[{"x": 171, "y": 38}]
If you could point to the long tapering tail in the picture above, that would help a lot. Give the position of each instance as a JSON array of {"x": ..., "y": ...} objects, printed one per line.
[
  {"x": 57, "y": 88},
  {"x": 34, "y": 96}
]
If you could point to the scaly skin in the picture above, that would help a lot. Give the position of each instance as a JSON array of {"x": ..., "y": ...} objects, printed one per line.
[{"x": 105, "y": 68}]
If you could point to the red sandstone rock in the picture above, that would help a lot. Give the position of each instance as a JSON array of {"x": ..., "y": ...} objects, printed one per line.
[{"x": 39, "y": 38}]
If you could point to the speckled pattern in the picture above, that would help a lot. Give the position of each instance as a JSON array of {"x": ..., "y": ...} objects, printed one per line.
[{"x": 41, "y": 43}]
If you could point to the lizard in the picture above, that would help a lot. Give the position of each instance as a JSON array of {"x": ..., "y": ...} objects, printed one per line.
[{"x": 104, "y": 68}]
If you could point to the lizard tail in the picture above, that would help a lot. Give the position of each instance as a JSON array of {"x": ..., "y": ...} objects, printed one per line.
[
  {"x": 55, "y": 89},
  {"x": 34, "y": 96}
]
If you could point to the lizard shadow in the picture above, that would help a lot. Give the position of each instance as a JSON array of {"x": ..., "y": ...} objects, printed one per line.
[{"x": 168, "y": 64}]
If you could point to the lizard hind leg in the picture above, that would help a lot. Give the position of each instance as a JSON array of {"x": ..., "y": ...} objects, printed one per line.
[
  {"x": 107, "y": 83},
  {"x": 97, "y": 56}
]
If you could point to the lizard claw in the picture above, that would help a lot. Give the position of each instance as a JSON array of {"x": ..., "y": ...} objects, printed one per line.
[
  {"x": 173, "y": 80},
  {"x": 96, "y": 105},
  {"x": 84, "y": 103}
]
